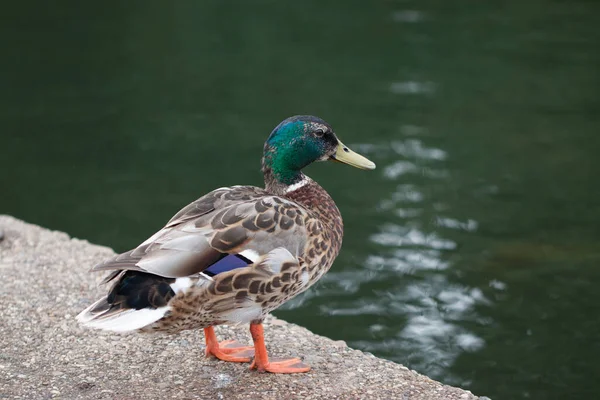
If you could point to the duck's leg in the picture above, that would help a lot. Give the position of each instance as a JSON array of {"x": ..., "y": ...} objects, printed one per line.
[
  {"x": 261, "y": 359},
  {"x": 229, "y": 350}
]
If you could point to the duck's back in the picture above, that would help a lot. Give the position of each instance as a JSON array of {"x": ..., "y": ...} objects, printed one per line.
[{"x": 231, "y": 256}]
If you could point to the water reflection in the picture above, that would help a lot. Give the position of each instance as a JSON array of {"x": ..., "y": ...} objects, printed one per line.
[
  {"x": 468, "y": 225},
  {"x": 412, "y": 87},
  {"x": 413, "y": 252},
  {"x": 408, "y": 261},
  {"x": 398, "y": 168},
  {"x": 400, "y": 236},
  {"x": 407, "y": 16},
  {"x": 415, "y": 149}
]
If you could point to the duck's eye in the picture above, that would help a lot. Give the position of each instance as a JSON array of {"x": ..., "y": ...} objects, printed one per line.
[{"x": 319, "y": 133}]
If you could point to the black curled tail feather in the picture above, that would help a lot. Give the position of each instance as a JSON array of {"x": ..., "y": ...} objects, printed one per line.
[
  {"x": 132, "y": 290},
  {"x": 137, "y": 290}
]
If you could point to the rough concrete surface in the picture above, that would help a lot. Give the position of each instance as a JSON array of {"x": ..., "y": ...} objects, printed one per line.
[{"x": 45, "y": 354}]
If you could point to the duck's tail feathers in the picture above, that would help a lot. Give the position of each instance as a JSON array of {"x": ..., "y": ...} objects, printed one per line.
[
  {"x": 136, "y": 300},
  {"x": 102, "y": 315}
]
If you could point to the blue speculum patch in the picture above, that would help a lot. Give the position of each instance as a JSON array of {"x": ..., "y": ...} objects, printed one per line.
[{"x": 227, "y": 263}]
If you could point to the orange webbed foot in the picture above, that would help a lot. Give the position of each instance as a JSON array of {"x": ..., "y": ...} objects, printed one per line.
[
  {"x": 261, "y": 361},
  {"x": 281, "y": 366},
  {"x": 229, "y": 350},
  {"x": 233, "y": 346}
]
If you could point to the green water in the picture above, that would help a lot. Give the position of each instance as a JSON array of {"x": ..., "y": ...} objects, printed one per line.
[{"x": 471, "y": 254}]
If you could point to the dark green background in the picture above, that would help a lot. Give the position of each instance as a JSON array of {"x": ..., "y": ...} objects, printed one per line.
[{"x": 471, "y": 254}]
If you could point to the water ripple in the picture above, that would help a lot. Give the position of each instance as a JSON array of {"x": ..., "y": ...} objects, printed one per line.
[
  {"x": 414, "y": 254},
  {"x": 408, "y": 261},
  {"x": 404, "y": 194},
  {"x": 407, "y": 16},
  {"x": 399, "y": 168},
  {"x": 469, "y": 225},
  {"x": 397, "y": 236},
  {"x": 413, "y": 148},
  {"x": 361, "y": 307},
  {"x": 412, "y": 130},
  {"x": 412, "y": 87}
]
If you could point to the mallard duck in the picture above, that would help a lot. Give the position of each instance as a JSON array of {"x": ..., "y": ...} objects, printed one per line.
[{"x": 236, "y": 253}]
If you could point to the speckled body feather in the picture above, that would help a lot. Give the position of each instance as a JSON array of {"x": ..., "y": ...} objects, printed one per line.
[
  {"x": 296, "y": 236},
  {"x": 306, "y": 223}
]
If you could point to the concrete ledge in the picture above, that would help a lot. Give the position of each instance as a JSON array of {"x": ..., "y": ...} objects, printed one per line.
[{"x": 45, "y": 354}]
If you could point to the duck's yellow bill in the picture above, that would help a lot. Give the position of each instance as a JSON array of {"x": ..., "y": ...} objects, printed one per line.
[{"x": 344, "y": 155}]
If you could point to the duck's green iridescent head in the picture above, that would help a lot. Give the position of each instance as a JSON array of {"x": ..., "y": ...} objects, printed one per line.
[{"x": 301, "y": 140}]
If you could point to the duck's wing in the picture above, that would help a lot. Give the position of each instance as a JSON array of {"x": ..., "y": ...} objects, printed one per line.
[{"x": 240, "y": 220}]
